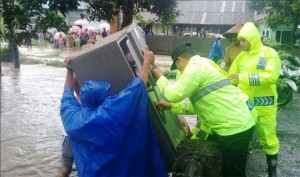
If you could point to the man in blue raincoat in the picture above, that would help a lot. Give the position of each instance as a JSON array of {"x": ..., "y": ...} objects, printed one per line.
[
  {"x": 111, "y": 135},
  {"x": 216, "y": 54}
]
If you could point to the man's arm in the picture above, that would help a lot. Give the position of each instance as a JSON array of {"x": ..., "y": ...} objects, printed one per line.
[
  {"x": 148, "y": 60},
  {"x": 227, "y": 60},
  {"x": 69, "y": 82}
]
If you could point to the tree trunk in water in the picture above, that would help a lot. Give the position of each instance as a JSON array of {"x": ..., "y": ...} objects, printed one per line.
[
  {"x": 14, "y": 48},
  {"x": 15, "y": 55},
  {"x": 127, "y": 10}
]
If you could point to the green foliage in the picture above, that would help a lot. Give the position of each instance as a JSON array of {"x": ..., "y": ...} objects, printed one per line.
[
  {"x": 106, "y": 9},
  {"x": 281, "y": 49},
  {"x": 35, "y": 42},
  {"x": 51, "y": 19},
  {"x": 283, "y": 12},
  {"x": 144, "y": 23},
  {"x": 283, "y": 54},
  {"x": 5, "y": 55},
  {"x": 272, "y": 43},
  {"x": 102, "y": 9},
  {"x": 2, "y": 29},
  {"x": 55, "y": 63},
  {"x": 19, "y": 15}
]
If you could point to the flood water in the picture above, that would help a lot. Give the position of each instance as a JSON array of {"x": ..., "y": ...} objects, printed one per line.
[{"x": 31, "y": 127}]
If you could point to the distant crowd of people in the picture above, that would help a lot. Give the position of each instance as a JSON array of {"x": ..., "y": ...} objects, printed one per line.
[{"x": 71, "y": 41}]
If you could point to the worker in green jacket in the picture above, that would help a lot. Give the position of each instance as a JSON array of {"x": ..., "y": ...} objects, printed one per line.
[
  {"x": 224, "y": 109},
  {"x": 255, "y": 71}
]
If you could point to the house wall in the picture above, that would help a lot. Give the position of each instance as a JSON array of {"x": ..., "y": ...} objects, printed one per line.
[
  {"x": 180, "y": 30},
  {"x": 281, "y": 34},
  {"x": 164, "y": 44},
  {"x": 266, "y": 31}
]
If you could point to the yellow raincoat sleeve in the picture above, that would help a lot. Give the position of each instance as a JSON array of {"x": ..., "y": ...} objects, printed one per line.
[
  {"x": 183, "y": 108},
  {"x": 185, "y": 86},
  {"x": 256, "y": 77}
]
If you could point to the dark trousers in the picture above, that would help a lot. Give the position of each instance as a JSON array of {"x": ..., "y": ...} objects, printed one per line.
[{"x": 234, "y": 149}]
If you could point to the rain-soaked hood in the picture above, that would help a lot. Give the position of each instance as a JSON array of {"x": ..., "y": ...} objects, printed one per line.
[
  {"x": 116, "y": 138},
  {"x": 93, "y": 93},
  {"x": 251, "y": 34}
]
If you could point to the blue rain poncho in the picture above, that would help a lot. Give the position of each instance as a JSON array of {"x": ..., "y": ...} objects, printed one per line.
[
  {"x": 111, "y": 135},
  {"x": 216, "y": 52}
]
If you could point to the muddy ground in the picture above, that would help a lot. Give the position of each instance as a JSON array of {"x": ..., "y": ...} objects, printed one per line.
[{"x": 288, "y": 132}]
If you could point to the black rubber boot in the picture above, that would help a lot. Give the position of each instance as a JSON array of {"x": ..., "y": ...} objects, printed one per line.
[{"x": 272, "y": 162}]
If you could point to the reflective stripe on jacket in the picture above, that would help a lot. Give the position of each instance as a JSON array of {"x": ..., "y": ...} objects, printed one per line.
[
  {"x": 223, "y": 109},
  {"x": 258, "y": 71}
]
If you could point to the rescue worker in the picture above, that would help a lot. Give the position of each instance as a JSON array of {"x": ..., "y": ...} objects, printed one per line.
[
  {"x": 255, "y": 71},
  {"x": 224, "y": 108}
]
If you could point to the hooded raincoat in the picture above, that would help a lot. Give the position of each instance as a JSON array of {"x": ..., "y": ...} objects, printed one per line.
[
  {"x": 111, "y": 135},
  {"x": 216, "y": 52},
  {"x": 224, "y": 111},
  {"x": 258, "y": 71}
]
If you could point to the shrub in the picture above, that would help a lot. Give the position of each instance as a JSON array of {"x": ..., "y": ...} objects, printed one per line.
[
  {"x": 55, "y": 63},
  {"x": 283, "y": 55},
  {"x": 5, "y": 55},
  {"x": 272, "y": 43}
]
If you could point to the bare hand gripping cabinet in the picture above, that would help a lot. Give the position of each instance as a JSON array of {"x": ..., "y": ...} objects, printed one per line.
[{"x": 118, "y": 59}]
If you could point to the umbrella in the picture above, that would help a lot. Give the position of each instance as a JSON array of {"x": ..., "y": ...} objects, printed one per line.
[
  {"x": 72, "y": 30},
  {"x": 92, "y": 29},
  {"x": 57, "y": 35},
  {"x": 81, "y": 22},
  {"x": 104, "y": 25},
  {"x": 77, "y": 29}
]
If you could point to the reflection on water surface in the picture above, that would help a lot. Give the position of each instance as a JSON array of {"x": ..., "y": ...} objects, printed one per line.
[{"x": 31, "y": 128}]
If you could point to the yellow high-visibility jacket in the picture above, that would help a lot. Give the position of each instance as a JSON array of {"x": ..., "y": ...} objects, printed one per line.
[
  {"x": 258, "y": 71},
  {"x": 224, "y": 110}
]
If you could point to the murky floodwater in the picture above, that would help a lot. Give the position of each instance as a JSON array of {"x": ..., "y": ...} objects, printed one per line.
[{"x": 31, "y": 127}]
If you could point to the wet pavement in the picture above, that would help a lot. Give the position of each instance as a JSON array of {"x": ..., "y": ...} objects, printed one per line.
[{"x": 31, "y": 128}]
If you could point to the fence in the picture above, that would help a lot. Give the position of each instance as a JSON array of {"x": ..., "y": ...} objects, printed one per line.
[{"x": 163, "y": 45}]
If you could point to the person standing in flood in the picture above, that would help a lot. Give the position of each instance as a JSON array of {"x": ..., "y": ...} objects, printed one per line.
[
  {"x": 41, "y": 40},
  {"x": 256, "y": 71},
  {"x": 104, "y": 33},
  {"x": 28, "y": 40}
]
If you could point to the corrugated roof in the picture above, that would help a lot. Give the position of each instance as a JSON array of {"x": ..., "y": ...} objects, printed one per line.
[
  {"x": 208, "y": 12},
  {"x": 214, "y": 12}
]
